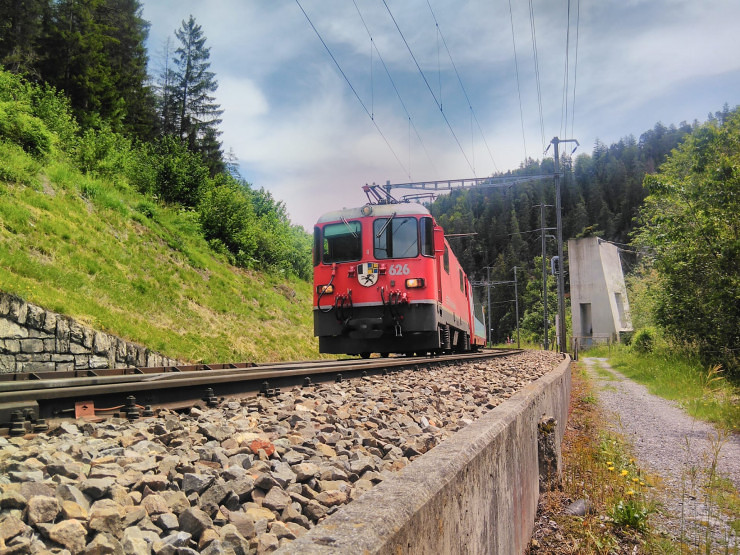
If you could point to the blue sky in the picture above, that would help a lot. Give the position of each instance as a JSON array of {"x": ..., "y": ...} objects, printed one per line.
[{"x": 299, "y": 131}]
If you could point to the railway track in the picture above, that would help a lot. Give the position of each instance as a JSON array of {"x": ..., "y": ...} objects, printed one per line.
[{"x": 28, "y": 401}]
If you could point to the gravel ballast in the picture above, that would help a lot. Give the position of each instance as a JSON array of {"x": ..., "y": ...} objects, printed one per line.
[
  {"x": 246, "y": 476},
  {"x": 678, "y": 449}
]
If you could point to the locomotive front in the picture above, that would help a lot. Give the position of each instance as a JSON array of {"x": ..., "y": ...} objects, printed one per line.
[{"x": 376, "y": 280}]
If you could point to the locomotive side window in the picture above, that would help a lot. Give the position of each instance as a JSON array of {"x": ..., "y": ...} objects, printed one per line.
[
  {"x": 342, "y": 242},
  {"x": 446, "y": 260},
  {"x": 462, "y": 282},
  {"x": 395, "y": 238},
  {"x": 316, "y": 246},
  {"x": 427, "y": 236}
]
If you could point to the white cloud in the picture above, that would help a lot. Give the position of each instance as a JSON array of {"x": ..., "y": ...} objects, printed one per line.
[{"x": 299, "y": 131}]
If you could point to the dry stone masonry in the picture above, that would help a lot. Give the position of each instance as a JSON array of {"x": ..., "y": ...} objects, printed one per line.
[
  {"x": 33, "y": 339},
  {"x": 247, "y": 476}
]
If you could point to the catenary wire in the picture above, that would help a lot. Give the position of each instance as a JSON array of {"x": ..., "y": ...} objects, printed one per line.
[
  {"x": 353, "y": 89},
  {"x": 537, "y": 71},
  {"x": 518, "y": 86},
  {"x": 575, "y": 70},
  {"x": 564, "y": 106},
  {"x": 459, "y": 79},
  {"x": 437, "y": 102},
  {"x": 395, "y": 88}
]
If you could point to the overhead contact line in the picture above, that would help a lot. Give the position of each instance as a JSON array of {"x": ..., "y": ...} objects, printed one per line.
[
  {"x": 429, "y": 87},
  {"x": 364, "y": 107}
]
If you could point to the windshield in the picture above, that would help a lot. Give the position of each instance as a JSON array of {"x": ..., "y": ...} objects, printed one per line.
[
  {"x": 342, "y": 242},
  {"x": 395, "y": 238}
]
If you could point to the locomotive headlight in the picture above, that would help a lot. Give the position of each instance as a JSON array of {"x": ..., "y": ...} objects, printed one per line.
[
  {"x": 414, "y": 283},
  {"x": 324, "y": 289}
]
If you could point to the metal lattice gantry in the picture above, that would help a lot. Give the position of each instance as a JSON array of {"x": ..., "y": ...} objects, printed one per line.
[{"x": 382, "y": 193}]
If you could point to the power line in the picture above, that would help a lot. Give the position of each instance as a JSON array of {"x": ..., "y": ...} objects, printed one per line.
[
  {"x": 537, "y": 71},
  {"x": 444, "y": 42},
  {"x": 564, "y": 106},
  {"x": 393, "y": 83},
  {"x": 369, "y": 114},
  {"x": 437, "y": 102},
  {"x": 518, "y": 87},
  {"x": 575, "y": 69}
]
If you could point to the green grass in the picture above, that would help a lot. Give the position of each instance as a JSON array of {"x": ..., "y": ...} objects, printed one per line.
[
  {"x": 703, "y": 392},
  {"x": 118, "y": 261}
]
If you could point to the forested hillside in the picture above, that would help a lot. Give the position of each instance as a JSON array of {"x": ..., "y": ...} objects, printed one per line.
[
  {"x": 602, "y": 193},
  {"x": 117, "y": 204},
  {"x": 159, "y": 133}
]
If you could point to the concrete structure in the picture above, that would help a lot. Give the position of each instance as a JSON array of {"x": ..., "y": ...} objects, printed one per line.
[
  {"x": 598, "y": 296},
  {"x": 476, "y": 492}
]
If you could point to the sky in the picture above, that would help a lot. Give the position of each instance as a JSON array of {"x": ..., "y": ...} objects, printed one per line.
[{"x": 426, "y": 90}]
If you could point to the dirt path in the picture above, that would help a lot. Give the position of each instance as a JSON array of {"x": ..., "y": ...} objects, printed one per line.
[{"x": 676, "y": 448}]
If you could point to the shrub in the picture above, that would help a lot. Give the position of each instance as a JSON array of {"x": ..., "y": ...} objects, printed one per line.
[
  {"x": 643, "y": 341},
  {"x": 18, "y": 126},
  {"x": 102, "y": 152},
  {"x": 53, "y": 108},
  {"x": 17, "y": 165},
  {"x": 180, "y": 176}
]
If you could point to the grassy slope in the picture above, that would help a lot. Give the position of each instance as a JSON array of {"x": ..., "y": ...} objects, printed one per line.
[
  {"x": 705, "y": 394},
  {"x": 102, "y": 253}
]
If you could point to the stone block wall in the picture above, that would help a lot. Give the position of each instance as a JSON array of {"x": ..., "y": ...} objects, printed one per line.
[{"x": 33, "y": 339}]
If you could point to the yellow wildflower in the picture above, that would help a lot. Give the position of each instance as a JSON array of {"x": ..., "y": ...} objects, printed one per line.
[
  {"x": 609, "y": 463},
  {"x": 610, "y": 469},
  {"x": 635, "y": 480},
  {"x": 630, "y": 492},
  {"x": 624, "y": 472}
]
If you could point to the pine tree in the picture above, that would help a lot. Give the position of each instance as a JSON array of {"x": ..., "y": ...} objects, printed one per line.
[
  {"x": 20, "y": 29},
  {"x": 94, "y": 51},
  {"x": 188, "y": 108}
]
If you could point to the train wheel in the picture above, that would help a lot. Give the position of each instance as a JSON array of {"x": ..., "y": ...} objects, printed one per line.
[{"x": 365, "y": 355}]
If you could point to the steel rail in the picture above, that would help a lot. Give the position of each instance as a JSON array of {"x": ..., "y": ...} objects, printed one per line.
[{"x": 56, "y": 397}]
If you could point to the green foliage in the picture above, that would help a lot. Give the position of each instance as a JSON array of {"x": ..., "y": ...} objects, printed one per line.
[
  {"x": 188, "y": 109},
  {"x": 674, "y": 372},
  {"x": 54, "y": 109},
  {"x": 83, "y": 247},
  {"x": 643, "y": 341},
  {"x": 17, "y": 165},
  {"x": 19, "y": 126},
  {"x": 228, "y": 216},
  {"x": 631, "y": 513},
  {"x": 170, "y": 171},
  {"x": 690, "y": 222},
  {"x": 102, "y": 152},
  {"x": 601, "y": 195},
  {"x": 94, "y": 51}
]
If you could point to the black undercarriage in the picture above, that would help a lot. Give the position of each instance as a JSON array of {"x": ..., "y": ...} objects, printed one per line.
[{"x": 407, "y": 329}]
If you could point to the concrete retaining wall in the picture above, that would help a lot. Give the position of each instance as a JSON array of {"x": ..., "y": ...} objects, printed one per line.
[
  {"x": 474, "y": 493},
  {"x": 33, "y": 339}
]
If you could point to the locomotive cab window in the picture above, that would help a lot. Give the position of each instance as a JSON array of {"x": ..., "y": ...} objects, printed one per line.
[
  {"x": 462, "y": 282},
  {"x": 395, "y": 238},
  {"x": 342, "y": 242},
  {"x": 426, "y": 232},
  {"x": 446, "y": 260},
  {"x": 316, "y": 246}
]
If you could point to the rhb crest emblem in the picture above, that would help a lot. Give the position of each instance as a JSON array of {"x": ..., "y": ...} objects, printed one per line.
[{"x": 367, "y": 274}]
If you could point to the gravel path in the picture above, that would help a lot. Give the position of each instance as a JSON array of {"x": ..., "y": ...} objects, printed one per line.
[{"x": 677, "y": 449}]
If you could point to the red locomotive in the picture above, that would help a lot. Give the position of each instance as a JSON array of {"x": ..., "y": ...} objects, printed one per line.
[{"x": 386, "y": 281}]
